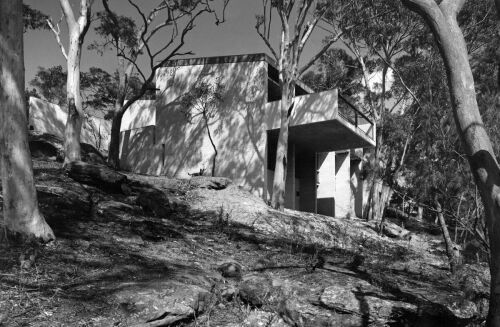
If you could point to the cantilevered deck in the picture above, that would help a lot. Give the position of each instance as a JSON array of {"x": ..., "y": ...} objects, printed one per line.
[{"x": 320, "y": 124}]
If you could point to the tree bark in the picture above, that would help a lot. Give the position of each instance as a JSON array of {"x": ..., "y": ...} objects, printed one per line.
[
  {"x": 76, "y": 33},
  {"x": 443, "y": 21},
  {"x": 420, "y": 213},
  {"x": 20, "y": 203},
  {"x": 124, "y": 73},
  {"x": 114, "y": 142},
  {"x": 214, "y": 160},
  {"x": 279, "y": 181},
  {"x": 453, "y": 258}
]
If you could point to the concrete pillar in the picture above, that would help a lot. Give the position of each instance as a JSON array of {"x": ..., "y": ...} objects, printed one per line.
[
  {"x": 325, "y": 191},
  {"x": 343, "y": 192}
]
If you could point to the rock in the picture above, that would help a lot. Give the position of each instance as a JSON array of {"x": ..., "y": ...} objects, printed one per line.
[
  {"x": 227, "y": 291},
  {"x": 230, "y": 269},
  {"x": 339, "y": 298},
  {"x": 255, "y": 289},
  {"x": 394, "y": 231},
  {"x": 130, "y": 240},
  {"x": 96, "y": 175},
  {"x": 259, "y": 318},
  {"x": 264, "y": 263},
  {"x": 161, "y": 303},
  {"x": 154, "y": 201},
  {"x": 346, "y": 299},
  {"x": 177, "y": 204},
  {"x": 115, "y": 209},
  {"x": 211, "y": 183},
  {"x": 290, "y": 311},
  {"x": 50, "y": 147},
  {"x": 91, "y": 155}
]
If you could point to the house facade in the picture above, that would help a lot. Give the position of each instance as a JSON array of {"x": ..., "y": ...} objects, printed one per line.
[{"x": 167, "y": 137}]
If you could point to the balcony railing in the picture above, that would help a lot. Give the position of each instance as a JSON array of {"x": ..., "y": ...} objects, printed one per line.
[{"x": 349, "y": 112}]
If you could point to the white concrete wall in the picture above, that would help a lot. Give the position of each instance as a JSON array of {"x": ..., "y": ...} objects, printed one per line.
[
  {"x": 326, "y": 183},
  {"x": 308, "y": 109},
  {"x": 46, "y": 117},
  {"x": 238, "y": 127},
  {"x": 140, "y": 114},
  {"x": 343, "y": 192}
]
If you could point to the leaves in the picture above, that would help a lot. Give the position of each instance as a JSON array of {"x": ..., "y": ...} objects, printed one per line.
[{"x": 34, "y": 19}]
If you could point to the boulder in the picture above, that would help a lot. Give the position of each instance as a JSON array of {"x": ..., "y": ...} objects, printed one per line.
[
  {"x": 211, "y": 183},
  {"x": 99, "y": 176},
  {"x": 153, "y": 201},
  {"x": 230, "y": 270},
  {"x": 161, "y": 303},
  {"x": 256, "y": 289},
  {"x": 394, "y": 231}
]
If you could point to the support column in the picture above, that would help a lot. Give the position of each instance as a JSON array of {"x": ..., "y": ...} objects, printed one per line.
[
  {"x": 343, "y": 191},
  {"x": 325, "y": 180}
]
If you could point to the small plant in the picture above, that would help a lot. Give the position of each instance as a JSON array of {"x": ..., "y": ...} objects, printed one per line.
[{"x": 222, "y": 219}]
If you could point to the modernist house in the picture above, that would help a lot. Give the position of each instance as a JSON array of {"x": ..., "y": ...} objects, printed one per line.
[{"x": 323, "y": 169}]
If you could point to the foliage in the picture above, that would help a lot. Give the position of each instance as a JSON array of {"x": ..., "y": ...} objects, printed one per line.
[
  {"x": 51, "y": 84},
  {"x": 98, "y": 87},
  {"x": 126, "y": 30},
  {"x": 34, "y": 19},
  {"x": 204, "y": 100},
  {"x": 336, "y": 69}
]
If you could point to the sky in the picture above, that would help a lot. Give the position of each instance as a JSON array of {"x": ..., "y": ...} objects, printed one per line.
[{"x": 236, "y": 36}]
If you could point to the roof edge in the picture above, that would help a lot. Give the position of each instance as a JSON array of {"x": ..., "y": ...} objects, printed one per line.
[
  {"x": 252, "y": 57},
  {"x": 220, "y": 60}
]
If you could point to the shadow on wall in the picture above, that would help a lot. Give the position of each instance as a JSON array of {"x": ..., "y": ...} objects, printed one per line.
[
  {"x": 46, "y": 117},
  {"x": 238, "y": 127}
]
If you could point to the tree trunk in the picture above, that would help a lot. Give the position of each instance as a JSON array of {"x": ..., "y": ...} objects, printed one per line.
[
  {"x": 20, "y": 203},
  {"x": 279, "y": 182},
  {"x": 443, "y": 22},
  {"x": 76, "y": 32},
  {"x": 214, "y": 160},
  {"x": 74, "y": 102},
  {"x": 420, "y": 213},
  {"x": 453, "y": 256},
  {"x": 114, "y": 142}
]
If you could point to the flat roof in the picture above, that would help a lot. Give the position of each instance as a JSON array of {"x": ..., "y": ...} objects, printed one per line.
[
  {"x": 220, "y": 60},
  {"x": 231, "y": 59}
]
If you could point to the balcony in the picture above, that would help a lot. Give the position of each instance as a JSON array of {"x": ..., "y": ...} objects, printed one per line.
[{"x": 320, "y": 124}]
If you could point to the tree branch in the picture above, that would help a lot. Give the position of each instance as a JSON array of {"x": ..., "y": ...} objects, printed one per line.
[{"x": 57, "y": 34}]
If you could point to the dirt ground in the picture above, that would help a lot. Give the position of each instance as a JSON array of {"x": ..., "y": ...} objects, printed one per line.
[{"x": 115, "y": 264}]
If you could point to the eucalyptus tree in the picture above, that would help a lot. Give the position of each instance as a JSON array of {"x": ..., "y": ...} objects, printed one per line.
[
  {"x": 203, "y": 104},
  {"x": 384, "y": 36},
  {"x": 297, "y": 21},
  {"x": 20, "y": 203},
  {"x": 129, "y": 42},
  {"x": 77, "y": 29},
  {"x": 442, "y": 19}
]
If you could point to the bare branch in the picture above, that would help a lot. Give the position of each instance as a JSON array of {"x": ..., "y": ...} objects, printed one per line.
[
  {"x": 400, "y": 78},
  {"x": 268, "y": 44},
  {"x": 57, "y": 34}
]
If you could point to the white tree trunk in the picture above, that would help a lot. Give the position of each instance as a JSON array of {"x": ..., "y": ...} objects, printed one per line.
[
  {"x": 20, "y": 204},
  {"x": 443, "y": 21},
  {"x": 74, "y": 102},
  {"x": 76, "y": 32},
  {"x": 279, "y": 182}
]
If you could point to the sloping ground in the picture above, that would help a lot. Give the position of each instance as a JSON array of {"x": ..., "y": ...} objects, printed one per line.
[{"x": 218, "y": 256}]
